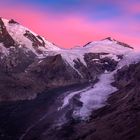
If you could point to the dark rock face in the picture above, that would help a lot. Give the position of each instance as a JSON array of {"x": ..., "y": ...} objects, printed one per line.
[
  {"x": 17, "y": 60},
  {"x": 14, "y": 85},
  {"x": 97, "y": 65},
  {"x": 124, "y": 44},
  {"x": 87, "y": 44},
  {"x": 5, "y": 38},
  {"x": 36, "y": 41},
  {"x": 54, "y": 72},
  {"x": 13, "y": 22},
  {"x": 94, "y": 68}
]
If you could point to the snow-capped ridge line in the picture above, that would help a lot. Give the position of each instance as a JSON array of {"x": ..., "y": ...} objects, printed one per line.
[
  {"x": 27, "y": 38},
  {"x": 38, "y": 45},
  {"x": 110, "y": 40}
]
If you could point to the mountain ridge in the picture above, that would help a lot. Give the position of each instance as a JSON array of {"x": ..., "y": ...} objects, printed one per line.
[
  {"x": 28, "y": 55},
  {"x": 83, "y": 93}
]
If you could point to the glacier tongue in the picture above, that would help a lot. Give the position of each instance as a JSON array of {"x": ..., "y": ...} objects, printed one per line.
[
  {"x": 95, "y": 97},
  {"x": 92, "y": 98}
]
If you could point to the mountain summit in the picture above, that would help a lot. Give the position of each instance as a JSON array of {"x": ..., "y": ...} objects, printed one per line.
[{"x": 15, "y": 35}]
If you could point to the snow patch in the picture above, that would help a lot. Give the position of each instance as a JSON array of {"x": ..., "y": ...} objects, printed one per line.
[
  {"x": 111, "y": 56},
  {"x": 130, "y": 58},
  {"x": 71, "y": 55},
  {"x": 40, "y": 61},
  {"x": 95, "y": 60}
]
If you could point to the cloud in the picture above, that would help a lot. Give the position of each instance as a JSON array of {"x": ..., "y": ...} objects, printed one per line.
[{"x": 68, "y": 30}]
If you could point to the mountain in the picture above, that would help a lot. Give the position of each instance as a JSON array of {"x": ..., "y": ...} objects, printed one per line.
[{"x": 89, "y": 92}]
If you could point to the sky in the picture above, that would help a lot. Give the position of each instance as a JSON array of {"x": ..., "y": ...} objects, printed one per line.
[{"x": 70, "y": 23}]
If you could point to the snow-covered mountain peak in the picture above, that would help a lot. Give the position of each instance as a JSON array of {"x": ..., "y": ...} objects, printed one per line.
[
  {"x": 106, "y": 41},
  {"x": 117, "y": 42},
  {"x": 18, "y": 35},
  {"x": 108, "y": 45}
]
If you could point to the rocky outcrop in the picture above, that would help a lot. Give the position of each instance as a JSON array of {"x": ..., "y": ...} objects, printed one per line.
[
  {"x": 120, "y": 43},
  {"x": 12, "y": 21},
  {"x": 17, "y": 60},
  {"x": 36, "y": 41},
  {"x": 5, "y": 38},
  {"x": 54, "y": 72}
]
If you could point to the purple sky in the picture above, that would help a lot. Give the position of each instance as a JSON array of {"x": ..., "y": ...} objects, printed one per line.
[{"x": 75, "y": 22}]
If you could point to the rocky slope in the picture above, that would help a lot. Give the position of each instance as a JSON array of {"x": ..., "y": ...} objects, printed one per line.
[
  {"x": 30, "y": 64},
  {"x": 118, "y": 119}
]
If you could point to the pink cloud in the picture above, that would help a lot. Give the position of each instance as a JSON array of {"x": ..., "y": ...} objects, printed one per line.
[
  {"x": 133, "y": 8},
  {"x": 69, "y": 30}
]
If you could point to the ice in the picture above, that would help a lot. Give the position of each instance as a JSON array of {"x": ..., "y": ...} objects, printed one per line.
[
  {"x": 70, "y": 96},
  {"x": 130, "y": 58},
  {"x": 92, "y": 98},
  {"x": 96, "y": 97}
]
